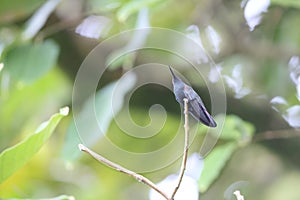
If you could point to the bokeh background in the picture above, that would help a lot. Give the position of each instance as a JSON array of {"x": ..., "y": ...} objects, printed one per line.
[{"x": 43, "y": 44}]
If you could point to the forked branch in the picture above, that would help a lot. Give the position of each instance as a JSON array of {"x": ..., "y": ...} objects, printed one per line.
[
  {"x": 141, "y": 178},
  {"x": 138, "y": 177}
]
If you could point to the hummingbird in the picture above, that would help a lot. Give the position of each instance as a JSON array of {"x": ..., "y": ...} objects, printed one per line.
[{"x": 195, "y": 105}]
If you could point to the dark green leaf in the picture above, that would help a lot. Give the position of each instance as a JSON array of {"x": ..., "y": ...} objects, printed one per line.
[{"x": 28, "y": 62}]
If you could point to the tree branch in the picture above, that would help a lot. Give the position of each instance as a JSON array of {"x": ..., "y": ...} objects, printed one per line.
[
  {"x": 186, "y": 146},
  {"x": 119, "y": 168},
  {"x": 277, "y": 134},
  {"x": 141, "y": 178}
]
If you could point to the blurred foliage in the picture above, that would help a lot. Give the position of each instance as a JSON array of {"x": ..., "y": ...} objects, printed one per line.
[
  {"x": 62, "y": 197},
  {"x": 39, "y": 71},
  {"x": 15, "y": 157},
  {"x": 235, "y": 133},
  {"x": 23, "y": 64},
  {"x": 216, "y": 161},
  {"x": 104, "y": 113},
  {"x": 12, "y": 11}
]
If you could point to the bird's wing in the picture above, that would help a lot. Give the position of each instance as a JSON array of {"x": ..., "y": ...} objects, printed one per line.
[
  {"x": 191, "y": 95},
  {"x": 196, "y": 107}
]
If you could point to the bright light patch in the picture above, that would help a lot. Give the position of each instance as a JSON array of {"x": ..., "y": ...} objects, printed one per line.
[
  {"x": 94, "y": 26},
  {"x": 214, "y": 39},
  {"x": 197, "y": 54},
  {"x": 253, "y": 12}
]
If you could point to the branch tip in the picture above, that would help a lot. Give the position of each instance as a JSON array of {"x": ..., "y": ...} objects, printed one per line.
[{"x": 81, "y": 147}]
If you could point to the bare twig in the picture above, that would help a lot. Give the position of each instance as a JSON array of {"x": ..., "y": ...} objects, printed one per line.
[
  {"x": 119, "y": 168},
  {"x": 186, "y": 146},
  {"x": 277, "y": 134},
  {"x": 141, "y": 178}
]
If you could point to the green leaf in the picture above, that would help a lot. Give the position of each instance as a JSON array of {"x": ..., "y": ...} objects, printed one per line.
[
  {"x": 61, "y": 197},
  {"x": 234, "y": 129},
  {"x": 214, "y": 163},
  {"x": 105, "y": 112},
  {"x": 28, "y": 62},
  {"x": 132, "y": 7},
  {"x": 15, "y": 157}
]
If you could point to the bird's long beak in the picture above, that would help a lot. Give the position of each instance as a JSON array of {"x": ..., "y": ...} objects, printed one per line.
[{"x": 173, "y": 74}]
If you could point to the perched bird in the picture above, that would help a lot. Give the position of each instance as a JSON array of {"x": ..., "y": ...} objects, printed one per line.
[{"x": 195, "y": 105}]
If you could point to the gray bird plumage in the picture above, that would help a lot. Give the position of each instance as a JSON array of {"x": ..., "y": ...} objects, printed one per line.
[{"x": 195, "y": 105}]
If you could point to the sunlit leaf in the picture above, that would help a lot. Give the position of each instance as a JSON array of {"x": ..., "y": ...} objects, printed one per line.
[
  {"x": 214, "y": 163},
  {"x": 29, "y": 62},
  {"x": 25, "y": 105},
  {"x": 15, "y": 157}
]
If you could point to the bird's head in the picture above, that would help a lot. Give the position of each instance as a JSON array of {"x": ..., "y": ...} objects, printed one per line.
[{"x": 176, "y": 80}]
